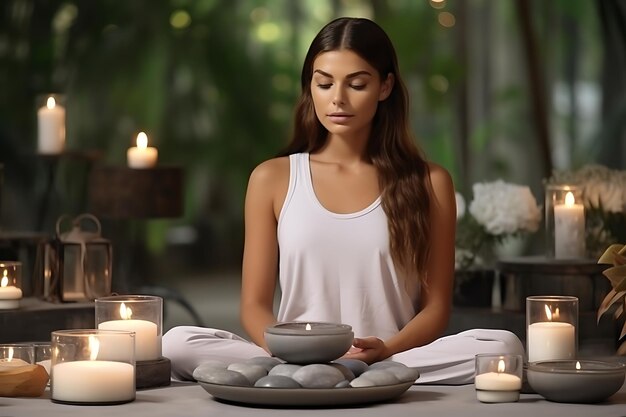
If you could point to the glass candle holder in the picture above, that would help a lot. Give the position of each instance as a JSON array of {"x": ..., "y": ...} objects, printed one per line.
[
  {"x": 141, "y": 314},
  {"x": 15, "y": 355},
  {"x": 551, "y": 327},
  {"x": 565, "y": 222},
  {"x": 10, "y": 284},
  {"x": 50, "y": 124},
  {"x": 498, "y": 378},
  {"x": 93, "y": 367},
  {"x": 42, "y": 352}
]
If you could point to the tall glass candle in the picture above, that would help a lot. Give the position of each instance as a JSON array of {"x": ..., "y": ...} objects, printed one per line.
[
  {"x": 565, "y": 222},
  {"x": 551, "y": 327},
  {"x": 51, "y": 126},
  {"x": 141, "y": 314}
]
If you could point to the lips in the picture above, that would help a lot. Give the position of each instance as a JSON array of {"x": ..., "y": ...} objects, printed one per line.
[{"x": 339, "y": 118}]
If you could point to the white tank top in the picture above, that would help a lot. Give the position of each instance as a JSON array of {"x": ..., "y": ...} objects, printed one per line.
[{"x": 337, "y": 267}]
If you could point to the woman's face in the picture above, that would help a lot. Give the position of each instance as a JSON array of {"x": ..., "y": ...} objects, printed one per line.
[{"x": 346, "y": 90}]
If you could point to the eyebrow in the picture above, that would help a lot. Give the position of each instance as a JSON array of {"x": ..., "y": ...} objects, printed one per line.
[{"x": 352, "y": 75}]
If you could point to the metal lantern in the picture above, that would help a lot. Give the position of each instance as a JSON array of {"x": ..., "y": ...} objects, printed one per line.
[{"x": 79, "y": 261}]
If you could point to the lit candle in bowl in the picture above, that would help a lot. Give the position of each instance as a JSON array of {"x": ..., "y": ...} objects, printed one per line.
[
  {"x": 551, "y": 327},
  {"x": 569, "y": 229},
  {"x": 51, "y": 127},
  {"x": 80, "y": 376},
  {"x": 498, "y": 378},
  {"x": 10, "y": 295},
  {"x": 142, "y": 155},
  {"x": 576, "y": 381},
  {"x": 308, "y": 342}
]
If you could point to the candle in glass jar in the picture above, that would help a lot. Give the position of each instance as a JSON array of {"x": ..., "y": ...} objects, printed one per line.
[
  {"x": 146, "y": 335},
  {"x": 93, "y": 381},
  {"x": 51, "y": 127},
  {"x": 10, "y": 295},
  {"x": 569, "y": 229},
  {"x": 142, "y": 155},
  {"x": 10, "y": 363},
  {"x": 497, "y": 387},
  {"x": 551, "y": 339}
]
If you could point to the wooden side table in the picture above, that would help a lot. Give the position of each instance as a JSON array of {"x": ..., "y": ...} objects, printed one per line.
[
  {"x": 538, "y": 275},
  {"x": 36, "y": 319}
]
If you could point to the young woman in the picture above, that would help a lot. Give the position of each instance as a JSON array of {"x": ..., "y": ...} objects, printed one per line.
[{"x": 356, "y": 224}]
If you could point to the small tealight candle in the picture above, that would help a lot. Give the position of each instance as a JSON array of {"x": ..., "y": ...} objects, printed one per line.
[
  {"x": 15, "y": 356},
  {"x": 142, "y": 155},
  {"x": 51, "y": 127},
  {"x": 498, "y": 378},
  {"x": 10, "y": 294}
]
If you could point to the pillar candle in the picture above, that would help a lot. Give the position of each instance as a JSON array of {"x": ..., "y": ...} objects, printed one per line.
[
  {"x": 497, "y": 387},
  {"x": 51, "y": 128},
  {"x": 551, "y": 340},
  {"x": 142, "y": 155},
  {"x": 93, "y": 381},
  {"x": 569, "y": 229}
]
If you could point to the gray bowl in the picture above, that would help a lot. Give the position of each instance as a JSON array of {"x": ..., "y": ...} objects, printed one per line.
[
  {"x": 325, "y": 342},
  {"x": 560, "y": 381}
]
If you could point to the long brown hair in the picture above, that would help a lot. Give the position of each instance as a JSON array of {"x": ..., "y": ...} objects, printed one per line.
[{"x": 402, "y": 170}]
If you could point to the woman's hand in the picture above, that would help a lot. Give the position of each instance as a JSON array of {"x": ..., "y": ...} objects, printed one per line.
[{"x": 368, "y": 350}]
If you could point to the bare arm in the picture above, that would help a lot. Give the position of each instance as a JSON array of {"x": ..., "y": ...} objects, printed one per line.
[
  {"x": 267, "y": 188},
  {"x": 433, "y": 318}
]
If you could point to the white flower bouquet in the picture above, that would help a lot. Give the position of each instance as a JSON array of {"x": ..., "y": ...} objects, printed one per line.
[{"x": 499, "y": 210}]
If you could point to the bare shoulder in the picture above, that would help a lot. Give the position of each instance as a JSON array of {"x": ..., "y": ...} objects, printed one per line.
[
  {"x": 440, "y": 178},
  {"x": 269, "y": 183},
  {"x": 272, "y": 171}
]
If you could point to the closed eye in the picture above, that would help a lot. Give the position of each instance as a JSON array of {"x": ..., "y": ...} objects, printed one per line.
[
  {"x": 324, "y": 86},
  {"x": 359, "y": 87}
]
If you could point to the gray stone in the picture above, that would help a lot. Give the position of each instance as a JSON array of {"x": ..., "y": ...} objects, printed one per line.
[
  {"x": 276, "y": 381},
  {"x": 318, "y": 376}
]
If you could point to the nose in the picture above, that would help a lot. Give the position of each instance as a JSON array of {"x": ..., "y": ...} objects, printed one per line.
[{"x": 338, "y": 98}]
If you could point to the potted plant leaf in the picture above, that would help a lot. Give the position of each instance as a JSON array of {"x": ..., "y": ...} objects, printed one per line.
[{"x": 615, "y": 255}]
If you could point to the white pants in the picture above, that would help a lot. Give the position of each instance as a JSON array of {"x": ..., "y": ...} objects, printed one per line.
[{"x": 449, "y": 360}]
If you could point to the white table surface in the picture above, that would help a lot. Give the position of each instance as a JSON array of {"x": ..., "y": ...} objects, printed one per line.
[{"x": 420, "y": 400}]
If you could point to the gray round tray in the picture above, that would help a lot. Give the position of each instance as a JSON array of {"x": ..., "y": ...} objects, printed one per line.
[{"x": 305, "y": 396}]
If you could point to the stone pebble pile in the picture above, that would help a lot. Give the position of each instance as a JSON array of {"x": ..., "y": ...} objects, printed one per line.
[{"x": 269, "y": 372}]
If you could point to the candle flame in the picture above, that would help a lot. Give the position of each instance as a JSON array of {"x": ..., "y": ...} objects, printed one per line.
[
  {"x": 556, "y": 314},
  {"x": 548, "y": 312},
  {"x": 51, "y": 103},
  {"x": 569, "y": 199},
  {"x": 10, "y": 358},
  {"x": 94, "y": 347},
  {"x": 501, "y": 366},
  {"x": 5, "y": 280},
  {"x": 142, "y": 140},
  {"x": 125, "y": 312},
  {"x": 577, "y": 365},
  {"x": 308, "y": 326}
]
